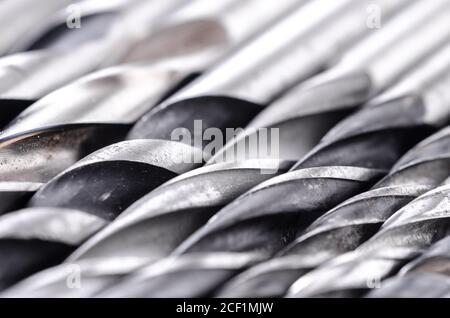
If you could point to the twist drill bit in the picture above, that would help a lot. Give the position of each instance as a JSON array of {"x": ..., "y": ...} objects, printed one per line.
[
  {"x": 178, "y": 207},
  {"x": 340, "y": 230},
  {"x": 192, "y": 275},
  {"x": 378, "y": 134},
  {"x": 195, "y": 274},
  {"x": 14, "y": 195},
  {"x": 155, "y": 225},
  {"x": 28, "y": 76},
  {"x": 259, "y": 222},
  {"x": 102, "y": 185},
  {"x": 234, "y": 91},
  {"x": 425, "y": 276},
  {"x": 144, "y": 30},
  {"x": 32, "y": 14},
  {"x": 52, "y": 139},
  {"x": 414, "y": 285},
  {"x": 253, "y": 235},
  {"x": 345, "y": 227},
  {"x": 426, "y": 163},
  {"x": 436, "y": 259},
  {"x": 310, "y": 109},
  {"x": 402, "y": 237},
  {"x": 33, "y": 239},
  {"x": 426, "y": 81}
]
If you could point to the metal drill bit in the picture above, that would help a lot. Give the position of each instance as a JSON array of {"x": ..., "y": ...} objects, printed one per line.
[
  {"x": 33, "y": 239},
  {"x": 402, "y": 237},
  {"x": 422, "y": 168},
  {"x": 309, "y": 110},
  {"x": 115, "y": 98},
  {"x": 340, "y": 230},
  {"x": 144, "y": 30},
  {"x": 179, "y": 207},
  {"x": 414, "y": 285},
  {"x": 425, "y": 276},
  {"x": 14, "y": 195},
  {"x": 193, "y": 275},
  {"x": 28, "y": 76},
  {"x": 31, "y": 14},
  {"x": 377, "y": 135},
  {"x": 101, "y": 185},
  {"x": 426, "y": 163},
  {"x": 258, "y": 221},
  {"x": 304, "y": 43},
  {"x": 155, "y": 225},
  {"x": 435, "y": 259}
]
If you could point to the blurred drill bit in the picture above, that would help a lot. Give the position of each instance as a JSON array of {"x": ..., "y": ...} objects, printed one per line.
[
  {"x": 31, "y": 13},
  {"x": 297, "y": 47},
  {"x": 402, "y": 237},
  {"x": 340, "y": 230},
  {"x": 378, "y": 134},
  {"x": 436, "y": 259},
  {"x": 28, "y": 76},
  {"x": 414, "y": 285},
  {"x": 99, "y": 108},
  {"x": 14, "y": 195},
  {"x": 426, "y": 276},
  {"x": 143, "y": 30},
  {"x": 100, "y": 186},
  {"x": 308, "y": 111},
  {"x": 169, "y": 277}
]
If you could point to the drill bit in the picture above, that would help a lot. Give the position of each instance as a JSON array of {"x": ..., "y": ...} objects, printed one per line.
[
  {"x": 315, "y": 245},
  {"x": 54, "y": 138},
  {"x": 99, "y": 186},
  {"x": 31, "y": 13},
  {"x": 258, "y": 222},
  {"x": 155, "y": 225},
  {"x": 309, "y": 110},
  {"x": 425, "y": 276},
  {"x": 414, "y": 285},
  {"x": 251, "y": 78},
  {"x": 14, "y": 195},
  {"x": 33, "y": 239},
  {"x": 340, "y": 230},
  {"x": 378, "y": 134},
  {"x": 402, "y": 237},
  {"x": 426, "y": 163},
  {"x": 28, "y": 76}
]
